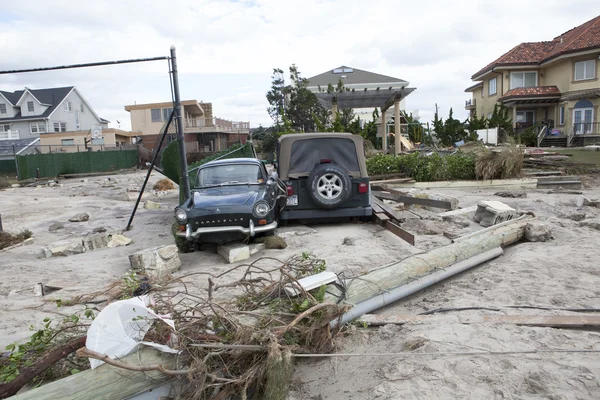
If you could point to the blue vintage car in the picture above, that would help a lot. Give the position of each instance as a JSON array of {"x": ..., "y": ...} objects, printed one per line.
[{"x": 230, "y": 200}]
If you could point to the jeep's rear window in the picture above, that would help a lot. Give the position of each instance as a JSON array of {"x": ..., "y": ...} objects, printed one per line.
[{"x": 307, "y": 154}]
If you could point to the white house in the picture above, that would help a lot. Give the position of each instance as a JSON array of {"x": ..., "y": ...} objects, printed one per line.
[{"x": 29, "y": 113}]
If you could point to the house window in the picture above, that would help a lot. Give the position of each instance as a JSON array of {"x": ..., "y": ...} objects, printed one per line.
[
  {"x": 166, "y": 112},
  {"x": 81, "y": 108},
  {"x": 37, "y": 127},
  {"x": 68, "y": 106},
  {"x": 5, "y": 128},
  {"x": 30, "y": 107},
  {"x": 492, "y": 87},
  {"x": 583, "y": 117},
  {"x": 525, "y": 118},
  {"x": 60, "y": 127},
  {"x": 68, "y": 142},
  {"x": 561, "y": 115},
  {"x": 523, "y": 79},
  {"x": 585, "y": 70},
  {"x": 156, "y": 115},
  {"x": 2, "y": 108}
]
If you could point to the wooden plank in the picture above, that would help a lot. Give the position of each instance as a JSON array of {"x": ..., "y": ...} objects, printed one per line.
[
  {"x": 400, "y": 232},
  {"x": 381, "y": 177},
  {"x": 401, "y": 180},
  {"x": 460, "y": 211},
  {"x": 551, "y": 321},
  {"x": 376, "y": 208},
  {"x": 514, "y": 183},
  {"x": 393, "y": 214},
  {"x": 381, "y": 219},
  {"x": 445, "y": 205}
]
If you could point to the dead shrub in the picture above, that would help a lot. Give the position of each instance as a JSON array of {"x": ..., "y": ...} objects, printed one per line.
[
  {"x": 3, "y": 183},
  {"x": 8, "y": 239},
  {"x": 499, "y": 163},
  {"x": 164, "y": 184}
]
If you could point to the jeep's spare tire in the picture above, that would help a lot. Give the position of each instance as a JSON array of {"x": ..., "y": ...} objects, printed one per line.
[{"x": 329, "y": 185}]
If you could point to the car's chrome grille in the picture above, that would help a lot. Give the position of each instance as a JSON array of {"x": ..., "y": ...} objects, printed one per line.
[{"x": 220, "y": 220}]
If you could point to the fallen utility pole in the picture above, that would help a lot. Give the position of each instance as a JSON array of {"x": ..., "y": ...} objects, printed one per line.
[
  {"x": 107, "y": 382},
  {"x": 366, "y": 294}
]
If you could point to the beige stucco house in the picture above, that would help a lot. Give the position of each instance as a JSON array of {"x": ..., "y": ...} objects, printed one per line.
[
  {"x": 203, "y": 132},
  {"x": 70, "y": 142},
  {"x": 551, "y": 85}
]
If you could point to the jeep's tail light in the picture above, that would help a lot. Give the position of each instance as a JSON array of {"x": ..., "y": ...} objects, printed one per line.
[
  {"x": 290, "y": 191},
  {"x": 363, "y": 188},
  {"x": 326, "y": 161}
]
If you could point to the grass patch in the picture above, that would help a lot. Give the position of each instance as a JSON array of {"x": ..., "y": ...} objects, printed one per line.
[
  {"x": 164, "y": 184},
  {"x": 8, "y": 239}
]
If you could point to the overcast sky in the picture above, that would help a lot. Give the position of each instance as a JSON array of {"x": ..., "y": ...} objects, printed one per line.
[{"x": 227, "y": 49}]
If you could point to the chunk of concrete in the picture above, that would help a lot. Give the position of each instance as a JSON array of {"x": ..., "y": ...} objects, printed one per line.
[
  {"x": 151, "y": 205},
  {"x": 118, "y": 240},
  {"x": 592, "y": 223},
  {"x": 515, "y": 194},
  {"x": 96, "y": 241},
  {"x": 537, "y": 232},
  {"x": 63, "y": 248},
  {"x": 491, "y": 212},
  {"x": 81, "y": 217},
  {"x": 234, "y": 252},
  {"x": 56, "y": 226},
  {"x": 156, "y": 262}
]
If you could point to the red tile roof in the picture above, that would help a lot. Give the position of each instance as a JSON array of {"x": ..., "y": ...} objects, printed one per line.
[
  {"x": 536, "y": 91},
  {"x": 583, "y": 37}
]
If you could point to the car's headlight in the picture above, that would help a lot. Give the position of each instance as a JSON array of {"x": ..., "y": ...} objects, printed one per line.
[
  {"x": 261, "y": 209},
  {"x": 181, "y": 214}
]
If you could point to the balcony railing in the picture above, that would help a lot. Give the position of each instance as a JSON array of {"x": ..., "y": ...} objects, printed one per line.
[
  {"x": 9, "y": 135},
  {"x": 470, "y": 103},
  {"x": 216, "y": 125},
  {"x": 586, "y": 128}
]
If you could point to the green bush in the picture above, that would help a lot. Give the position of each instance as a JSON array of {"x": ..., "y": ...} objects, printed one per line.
[
  {"x": 528, "y": 138},
  {"x": 425, "y": 168}
]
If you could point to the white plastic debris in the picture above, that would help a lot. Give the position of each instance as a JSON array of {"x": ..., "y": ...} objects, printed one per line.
[{"x": 120, "y": 328}]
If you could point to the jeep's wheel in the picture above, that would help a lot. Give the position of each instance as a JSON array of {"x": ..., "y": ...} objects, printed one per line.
[{"x": 329, "y": 185}]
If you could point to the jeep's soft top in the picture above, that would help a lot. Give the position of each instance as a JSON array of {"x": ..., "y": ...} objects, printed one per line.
[{"x": 298, "y": 154}]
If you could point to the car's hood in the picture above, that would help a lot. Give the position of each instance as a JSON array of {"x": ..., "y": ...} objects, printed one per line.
[{"x": 226, "y": 196}]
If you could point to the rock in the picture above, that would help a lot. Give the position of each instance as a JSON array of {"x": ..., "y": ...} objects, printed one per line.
[
  {"x": 63, "y": 248},
  {"x": 256, "y": 247},
  {"x": 537, "y": 232},
  {"x": 493, "y": 212},
  {"x": 592, "y": 223},
  {"x": 100, "y": 229},
  {"x": 156, "y": 262},
  {"x": 56, "y": 226},
  {"x": 235, "y": 252},
  {"x": 348, "y": 241},
  {"x": 511, "y": 194},
  {"x": 133, "y": 188},
  {"x": 576, "y": 216},
  {"x": 452, "y": 234},
  {"x": 118, "y": 240},
  {"x": 96, "y": 241},
  {"x": 581, "y": 201},
  {"x": 81, "y": 217},
  {"x": 151, "y": 205},
  {"x": 15, "y": 185},
  {"x": 83, "y": 180}
]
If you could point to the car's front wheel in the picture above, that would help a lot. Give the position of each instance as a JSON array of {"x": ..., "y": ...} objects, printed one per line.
[{"x": 329, "y": 185}]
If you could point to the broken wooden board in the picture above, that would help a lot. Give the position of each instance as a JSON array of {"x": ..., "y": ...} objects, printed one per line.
[
  {"x": 389, "y": 211},
  {"x": 550, "y": 321},
  {"x": 381, "y": 219},
  {"x": 394, "y": 181},
  {"x": 400, "y": 232},
  {"x": 405, "y": 199}
]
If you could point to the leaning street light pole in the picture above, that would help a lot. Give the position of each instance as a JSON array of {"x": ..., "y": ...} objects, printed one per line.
[{"x": 179, "y": 115}]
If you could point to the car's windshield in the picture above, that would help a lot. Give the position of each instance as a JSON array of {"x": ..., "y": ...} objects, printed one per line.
[{"x": 230, "y": 174}]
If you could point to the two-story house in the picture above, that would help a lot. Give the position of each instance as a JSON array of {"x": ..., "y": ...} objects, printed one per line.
[
  {"x": 30, "y": 113},
  {"x": 551, "y": 85},
  {"x": 203, "y": 132}
]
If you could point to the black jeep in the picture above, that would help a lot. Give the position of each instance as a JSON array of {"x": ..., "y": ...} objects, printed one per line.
[{"x": 325, "y": 175}]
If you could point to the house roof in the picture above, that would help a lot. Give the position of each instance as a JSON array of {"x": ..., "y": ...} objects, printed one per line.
[
  {"x": 352, "y": 76},
  {"x": 6, "y": 146},
  {"x": 52, "y": 96},
  {"x": 475, "y": 86},
  {"x": 580, "y": 38},
  {"x": 536, "y": 91}
]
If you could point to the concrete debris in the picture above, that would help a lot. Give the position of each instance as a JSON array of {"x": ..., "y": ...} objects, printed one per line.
[
  {"x": 348, "y": 241},
  {"x": 96, "y": 241},
  {"x": 151, "y": 205},
  {"x": 460, "y": 211},
  {"x": 493, "y": 212},
  {"x": 15, "y": 185},
  {"x": 576, "y": 216},
  {"x": 235, "y": 252},
  {"x": 81, "y": 217},
  {"x": 511, "y": 194},
  {"x": 56, "y": 226},
  {"x": 537, "y": 232},
  {"x": 592, "y": 223},
  {"x": 100, "y": 229},
  {"x": 581, "y": 201},
  {"x": 156, "y": 262},
  {"x": 133, "y": 188},
  {"x": 118, "y": 240},
  {"x": 457, "y": 220}
]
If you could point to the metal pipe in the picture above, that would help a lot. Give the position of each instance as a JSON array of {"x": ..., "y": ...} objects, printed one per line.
[
  {"x": 95, "y": 64},
  {"x": 400, "y": 292},
  {"x": 185, "y": 181}
]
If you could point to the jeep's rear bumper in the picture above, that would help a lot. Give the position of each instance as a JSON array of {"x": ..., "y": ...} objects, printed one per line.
[{"x": 289, "y": 214}]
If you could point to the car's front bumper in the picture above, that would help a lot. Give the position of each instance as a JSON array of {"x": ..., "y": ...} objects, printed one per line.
[
  {"x": 290, "y": 213},
  {"x": 191, "y": 234}
]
